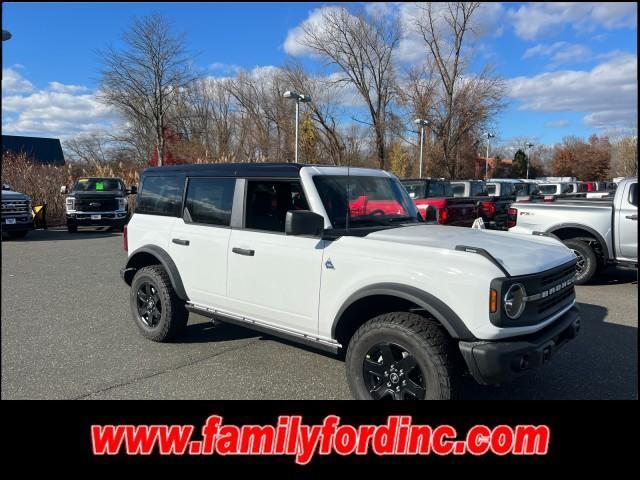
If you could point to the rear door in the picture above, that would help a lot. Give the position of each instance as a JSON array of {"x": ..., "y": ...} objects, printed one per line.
[
  {"x": 200, "y": 239},
  {"x": 627, "y": 213}
]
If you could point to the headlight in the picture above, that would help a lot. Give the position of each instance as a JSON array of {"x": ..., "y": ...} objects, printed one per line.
[
  {"x": 122, "y": 203},
  {"x": 71, "y": 203},
  {"x": 514, "y": 300}
]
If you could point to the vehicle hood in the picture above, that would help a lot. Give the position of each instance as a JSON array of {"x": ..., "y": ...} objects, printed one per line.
[
  {"x": 519, "y": 254},
  {"x": 11, "y": 195}
]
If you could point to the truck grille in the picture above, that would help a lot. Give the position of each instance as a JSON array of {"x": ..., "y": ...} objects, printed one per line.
[
  {"x": 96, "y": 204},
  {"x": 15, "y": 207}
]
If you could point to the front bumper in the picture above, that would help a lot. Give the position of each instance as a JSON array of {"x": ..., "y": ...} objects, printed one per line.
[
  {"x": 20, "y": 225},
  {"x": 107, "y": 219},
  {"x": 494, "y": 362}
]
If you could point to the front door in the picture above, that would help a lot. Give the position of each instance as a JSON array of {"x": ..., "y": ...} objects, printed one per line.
[{"x": 273, "y": 277}]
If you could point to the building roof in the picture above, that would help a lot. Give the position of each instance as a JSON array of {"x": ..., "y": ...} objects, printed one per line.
[{"x": 41, "y": 150}]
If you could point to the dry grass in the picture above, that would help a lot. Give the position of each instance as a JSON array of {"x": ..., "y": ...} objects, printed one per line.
[{"x": 42, "y": 182}]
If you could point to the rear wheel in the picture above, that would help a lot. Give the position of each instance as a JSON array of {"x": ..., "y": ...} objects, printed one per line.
[
  {"x": 158, "y": 312},
  {"x": 587, "y": 261},
  {"x": 400, "y": 356}
]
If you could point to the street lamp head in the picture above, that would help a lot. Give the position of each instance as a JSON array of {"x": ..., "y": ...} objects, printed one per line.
[
  {"x": 297, "y": 96},
  {"x": 422, "y": 122},
  {"x": 6, "y": 35},
  {"x": 529, "y": 145},
  {"x": 490, "y": 135}
]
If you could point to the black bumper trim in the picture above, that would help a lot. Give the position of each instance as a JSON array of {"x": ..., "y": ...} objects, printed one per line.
[{"x": 494, "y": 362}]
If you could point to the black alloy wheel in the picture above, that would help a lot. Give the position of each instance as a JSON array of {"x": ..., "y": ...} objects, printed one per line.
[
  {"x": 391, "y": 372},
  {"x": 149, "y": 304}
]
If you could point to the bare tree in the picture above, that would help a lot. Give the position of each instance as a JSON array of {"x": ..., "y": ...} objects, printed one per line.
[
  {"x": 90, "y": 148},
  {"x": 322, "y": 108},
  {"x": 143, "y": 79},
  {"x": 461, "y": 106},
  {"x": 362, "y": 48}
]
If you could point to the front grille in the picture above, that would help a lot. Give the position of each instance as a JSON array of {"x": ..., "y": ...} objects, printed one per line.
[
  {"x": 556, "y": 276},
  {"x": 548, "y": 305},
  {"x": 15, "y": 207},
  {"x": 96, "y": 204}
]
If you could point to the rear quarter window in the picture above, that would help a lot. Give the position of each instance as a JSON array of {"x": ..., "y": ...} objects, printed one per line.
[{"x": 160, "y": 195}]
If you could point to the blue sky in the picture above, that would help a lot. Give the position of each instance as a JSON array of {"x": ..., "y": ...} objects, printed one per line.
[{"x": 570, "y": 68}]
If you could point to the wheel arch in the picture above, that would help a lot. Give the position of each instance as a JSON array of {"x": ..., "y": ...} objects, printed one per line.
[
  {"x": 568, "y": 231},
  {"x": 154, "y": 255},
  {"x": 378, "y": 299}
]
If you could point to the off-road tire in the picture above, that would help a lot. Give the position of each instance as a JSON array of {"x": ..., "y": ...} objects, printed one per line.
[
  {"x": 587, "y": 256},
  {"x": 425, "y": 339},
  {"x": 18, "y": 234},
  {"x": 174, "y": 315}
]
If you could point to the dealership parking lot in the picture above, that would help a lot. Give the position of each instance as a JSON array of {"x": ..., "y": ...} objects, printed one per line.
[{"x": 67, "y": 334}]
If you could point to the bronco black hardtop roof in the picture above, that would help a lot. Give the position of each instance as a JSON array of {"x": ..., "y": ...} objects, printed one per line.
[{"x": 231, "y": 169}]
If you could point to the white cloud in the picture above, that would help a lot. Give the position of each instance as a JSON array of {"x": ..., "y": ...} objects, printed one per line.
[
  {"x": 13, "y": 82},
  {"x": 608, "y": 93},
  {"x": 59, "y": 110},
  {"x": 62, "y": 88},
  {"x": 224, "y": 68},
  {"x": 559, "y": 52},
  {"x": 292, "y": 44},
  {"x": 557, "y": 124},
  {"x": 534, "y": 20}
]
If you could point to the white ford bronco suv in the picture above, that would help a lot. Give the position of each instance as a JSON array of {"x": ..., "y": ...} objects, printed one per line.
[{"x": 340, "y": 259}]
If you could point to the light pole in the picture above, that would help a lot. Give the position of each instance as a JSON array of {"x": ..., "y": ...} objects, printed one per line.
[
  {"x": 422, "y": 123},
  {"x": 527, "y": 149},
  {"x": 6, "y": 35},
  {"x": 489, "y": 136},
  {"x": 298, "y": 97}
]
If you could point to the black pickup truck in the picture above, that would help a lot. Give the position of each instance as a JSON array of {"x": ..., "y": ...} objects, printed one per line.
[
  {"x": 492, "y": 209},
  {"x": 97, "y": 202}
]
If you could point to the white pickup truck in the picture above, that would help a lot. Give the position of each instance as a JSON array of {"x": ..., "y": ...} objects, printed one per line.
[
  {"x": 600, "y": 232},
  {"x": 340, "y": 259}
]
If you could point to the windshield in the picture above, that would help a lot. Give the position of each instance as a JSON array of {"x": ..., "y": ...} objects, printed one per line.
[
  {"x": 440, "y": 189},
  {"x": 98, "y": 184},
  {"x": 415, "y": 189},
  {"x": 372, "y": 200}
]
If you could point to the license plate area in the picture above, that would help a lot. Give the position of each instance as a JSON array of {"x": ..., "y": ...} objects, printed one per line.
[
  {"x": 95, "y": 217},
  {"x": 10, "y": 221}
]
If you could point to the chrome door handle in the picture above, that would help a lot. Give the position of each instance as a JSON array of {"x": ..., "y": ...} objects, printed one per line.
[
  {"x": 243, "y": 251},
  {"x": 632, "y": 217},
  {"x": 179, "y": 241}
]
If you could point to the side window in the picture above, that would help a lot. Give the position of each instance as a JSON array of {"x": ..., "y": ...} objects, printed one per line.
[
  {"x": 268, "y": 202},
  {"x": 633, "y": 194},
  {"x": 160, "y": 196},
  {"x": 458, "y": 190},
  {"x": 209, "y": 200}
]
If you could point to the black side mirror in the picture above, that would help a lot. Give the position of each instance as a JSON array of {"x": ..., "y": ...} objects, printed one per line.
[
  {"x": 133, "y": 190},
  {"x": 303, "y": 222}
]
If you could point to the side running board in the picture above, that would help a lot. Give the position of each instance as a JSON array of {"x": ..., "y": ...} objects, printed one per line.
[{"x": 485, "y": 254}]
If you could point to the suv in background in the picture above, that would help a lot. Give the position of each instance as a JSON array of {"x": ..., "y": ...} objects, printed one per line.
[
  {"x": 97, "y": 202},
  {"x": 17, "y": 218},
  {"x": 340, "y": 259}
]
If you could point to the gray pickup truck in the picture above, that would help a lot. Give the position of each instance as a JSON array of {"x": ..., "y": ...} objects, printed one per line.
[{"x": 601, "y": 232}]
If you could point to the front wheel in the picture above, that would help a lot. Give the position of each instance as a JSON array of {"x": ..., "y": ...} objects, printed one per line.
[
  {"x": 400, "y": 356},
  {"x": 72, "y": 228},
  {"x": 587, "y": 261},
  {"x": 18, "y": 234},
  {"x": 158, "y": 312}
]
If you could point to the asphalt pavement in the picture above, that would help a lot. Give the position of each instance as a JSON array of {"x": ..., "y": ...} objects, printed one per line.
[{"x": 67, "y": 334}]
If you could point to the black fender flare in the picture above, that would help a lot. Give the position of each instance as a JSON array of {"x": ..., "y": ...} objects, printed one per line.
[
  {"x": 589, "y": 230},
  {"x": 165, "y": 260},
  {"x": 434, "y": 306}
]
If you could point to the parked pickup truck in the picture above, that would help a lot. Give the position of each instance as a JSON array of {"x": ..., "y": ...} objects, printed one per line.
[
  {"x": 279, "y": 249},
  {"x": 97, "y": 202},
  {"x": 427, "y": 192},
  {"x": 492, "y": 210},
  {"x": 600, "y": 232},
  {"x": 17, "y": 219}
]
